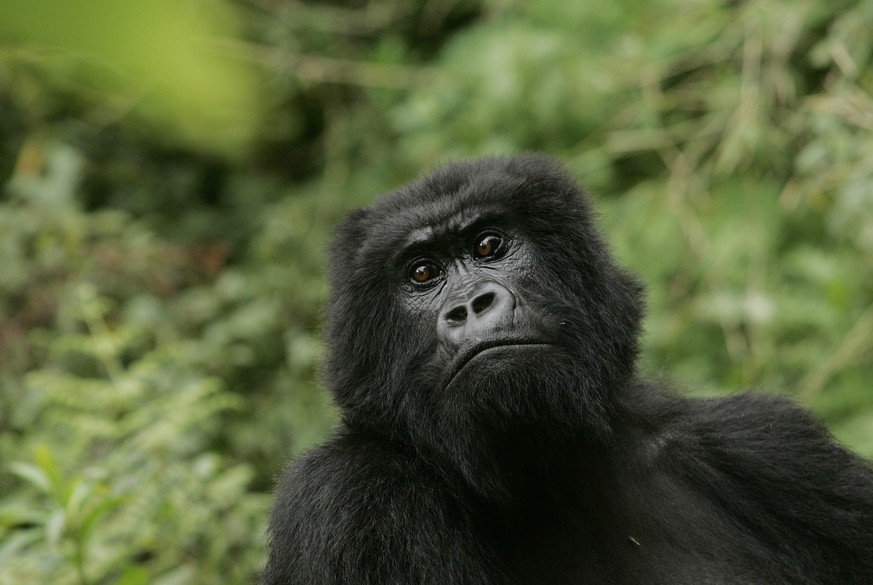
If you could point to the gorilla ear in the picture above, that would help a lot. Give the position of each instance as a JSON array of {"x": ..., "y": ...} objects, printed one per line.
[{"x": 352, "y": 232}]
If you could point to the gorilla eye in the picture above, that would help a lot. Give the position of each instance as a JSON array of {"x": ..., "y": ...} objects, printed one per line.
[
  {"x": 424, "y": 271},
  {"x": 487, "y": 246}
]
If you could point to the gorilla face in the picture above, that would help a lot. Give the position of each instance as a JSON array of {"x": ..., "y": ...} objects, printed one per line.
[
  {"x": 482, "y": 293},
  {"x": 464, "y": 283}
]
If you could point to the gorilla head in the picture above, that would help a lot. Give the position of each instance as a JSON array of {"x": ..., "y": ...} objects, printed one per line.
[{"x": 477, "y": 304}]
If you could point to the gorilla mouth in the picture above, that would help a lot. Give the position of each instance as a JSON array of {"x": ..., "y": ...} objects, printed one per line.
[{"x": 474, "y": 351}]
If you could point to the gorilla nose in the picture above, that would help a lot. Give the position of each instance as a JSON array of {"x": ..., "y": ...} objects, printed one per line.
[{"x": 476, "y": 315}]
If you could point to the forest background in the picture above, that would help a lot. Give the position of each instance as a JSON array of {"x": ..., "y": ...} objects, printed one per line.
[{"x": 171, "y": 173}]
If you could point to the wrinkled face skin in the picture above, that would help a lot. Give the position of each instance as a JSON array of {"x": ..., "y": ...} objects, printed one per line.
[{"x": 476, "y": 302}]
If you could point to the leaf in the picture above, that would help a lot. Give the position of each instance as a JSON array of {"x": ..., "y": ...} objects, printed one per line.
[{"x": 34, "y": 475}]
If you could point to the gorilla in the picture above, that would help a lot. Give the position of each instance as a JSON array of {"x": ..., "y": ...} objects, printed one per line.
[{"x": 481, "y": 350}]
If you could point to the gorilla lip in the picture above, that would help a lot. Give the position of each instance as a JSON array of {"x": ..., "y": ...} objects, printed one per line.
[{"x": 465, "y": 357}]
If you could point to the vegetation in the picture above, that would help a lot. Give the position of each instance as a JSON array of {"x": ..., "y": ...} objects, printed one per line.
[{"x": 172, "y": 174}]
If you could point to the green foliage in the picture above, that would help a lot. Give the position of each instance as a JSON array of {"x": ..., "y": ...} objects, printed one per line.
[
  {"x": 115, "y": 406},
  {"x": 160, "y": 301},
  {"x": 161, "y": 58}
]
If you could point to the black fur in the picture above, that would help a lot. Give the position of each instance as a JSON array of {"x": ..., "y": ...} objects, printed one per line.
[{"x": 462, "y": 460}]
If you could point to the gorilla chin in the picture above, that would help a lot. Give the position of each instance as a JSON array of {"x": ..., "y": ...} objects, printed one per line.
[
  {"x": 494, "y": 357},
  {"x": 521, "y": 385}
]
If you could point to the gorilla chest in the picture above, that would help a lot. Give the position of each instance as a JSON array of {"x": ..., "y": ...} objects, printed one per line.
[{"x": 677, "y": 542}]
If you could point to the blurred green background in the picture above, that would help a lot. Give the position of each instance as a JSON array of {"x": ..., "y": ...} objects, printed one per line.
[{"x": 172, "y": 171}]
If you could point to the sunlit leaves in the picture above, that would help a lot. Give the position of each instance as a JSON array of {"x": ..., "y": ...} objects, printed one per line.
[{"x": 172, "y": 63}]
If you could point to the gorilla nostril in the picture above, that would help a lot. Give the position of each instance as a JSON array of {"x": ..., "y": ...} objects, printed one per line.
[
  {"x": 457, "y": 315},
  {"x": 482, "y": 302}
]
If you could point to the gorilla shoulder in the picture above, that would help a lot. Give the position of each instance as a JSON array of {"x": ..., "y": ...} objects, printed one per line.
[{"x": 357, "y": 511}]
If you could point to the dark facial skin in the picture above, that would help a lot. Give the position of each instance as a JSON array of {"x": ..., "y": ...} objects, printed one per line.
[
  {"x": 481, "y": 350},
  {"x": 467, "y": 282}
]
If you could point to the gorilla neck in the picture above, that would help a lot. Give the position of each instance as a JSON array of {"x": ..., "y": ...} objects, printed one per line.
[{"x": 511, "y": 456}]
